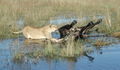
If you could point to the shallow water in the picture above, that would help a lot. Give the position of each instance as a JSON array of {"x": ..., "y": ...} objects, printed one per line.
[
  {"x": 63, "y": 20},
  {"x": 106, "y": 58}
]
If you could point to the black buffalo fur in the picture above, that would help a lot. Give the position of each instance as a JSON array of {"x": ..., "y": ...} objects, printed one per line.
[
  {"x": 84, "y": 29},
  {"x": 64, "y": 30}
]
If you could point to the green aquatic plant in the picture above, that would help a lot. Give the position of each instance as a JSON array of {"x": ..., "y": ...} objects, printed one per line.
[
  {"x": 19, "y": 58},
  {"x": 36, "y": 54},
  {"x": 52, "y": 50}
]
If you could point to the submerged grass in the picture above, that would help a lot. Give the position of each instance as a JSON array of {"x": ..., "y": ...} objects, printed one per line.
[
  {"x": 50, "y": 50},
  {"x": 40, "y": 12}
]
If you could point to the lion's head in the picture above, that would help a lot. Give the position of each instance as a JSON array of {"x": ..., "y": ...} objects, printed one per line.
[{"x": 52, "y": 28}]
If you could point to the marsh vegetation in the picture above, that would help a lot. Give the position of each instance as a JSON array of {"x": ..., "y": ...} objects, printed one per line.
[
  {"x": 40, "y": 12},
  {"x": 15, "y": 14}
]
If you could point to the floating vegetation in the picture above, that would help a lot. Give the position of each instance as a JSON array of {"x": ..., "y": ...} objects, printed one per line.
[
  {"x": 116, "y": 34},
  {"x": 100, "y": 43},
  {"x": 19, "y": 58}
]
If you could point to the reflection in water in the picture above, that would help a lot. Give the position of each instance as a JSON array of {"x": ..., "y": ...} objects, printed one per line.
[
  {"x": 23, "y": 66},
  {"x": 49, "y": 64},
  {"x": 53, "y": 64},
  {"x": 71, "y": 63},
  {"x": 109, "y": 60},
  {"x": 89, "y": 57}
]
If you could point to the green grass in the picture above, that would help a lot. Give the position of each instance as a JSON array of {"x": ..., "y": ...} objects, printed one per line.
[
  {"x": 40, "y": 12},
  {"x": 50, "y": 50}
]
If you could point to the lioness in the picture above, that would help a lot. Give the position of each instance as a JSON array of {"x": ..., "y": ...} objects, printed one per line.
[{"x": 39, "y": 33}]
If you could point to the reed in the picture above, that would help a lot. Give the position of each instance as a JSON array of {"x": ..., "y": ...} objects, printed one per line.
[{"x": 39, "y": 12}]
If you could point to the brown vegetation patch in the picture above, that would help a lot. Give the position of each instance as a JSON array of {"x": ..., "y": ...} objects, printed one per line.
[
  {"x": 101, "y": 43},
  {"x": 116, "y": 34}
]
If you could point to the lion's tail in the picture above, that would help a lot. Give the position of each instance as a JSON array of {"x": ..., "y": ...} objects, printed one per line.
[{"x": 17, "y": 32}]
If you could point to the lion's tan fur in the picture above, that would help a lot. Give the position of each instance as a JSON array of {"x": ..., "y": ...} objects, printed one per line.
[{"x": 39, "y": 33}]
